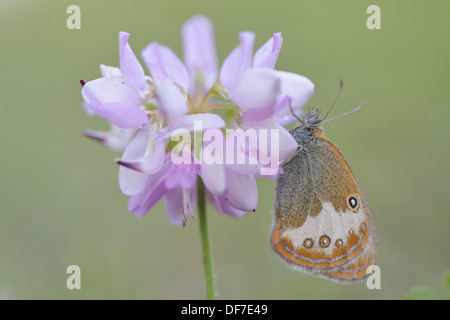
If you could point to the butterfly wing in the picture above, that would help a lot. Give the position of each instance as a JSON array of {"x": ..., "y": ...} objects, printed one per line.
[{"x": 322, "y": 221}]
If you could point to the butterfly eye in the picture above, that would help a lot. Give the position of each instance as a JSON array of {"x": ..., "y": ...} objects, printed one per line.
[
  {"x": 353, "y": 203},
  {"x": 324, "y": 241},
  {"x": 339, "y": 243},
  {"x": 308, "y": 243}
]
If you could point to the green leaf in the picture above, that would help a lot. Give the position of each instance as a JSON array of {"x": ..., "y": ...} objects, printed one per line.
[
  {"x": 423, "y": 293},
  {"x": 447, "y": 281},
  {"x": 447, "y": 284}
]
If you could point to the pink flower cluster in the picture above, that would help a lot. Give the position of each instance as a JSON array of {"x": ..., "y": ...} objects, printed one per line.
[{"x": 146, "y": 112}]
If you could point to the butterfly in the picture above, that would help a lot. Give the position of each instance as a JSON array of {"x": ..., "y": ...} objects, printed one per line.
[{"x": 322, "y": 223}]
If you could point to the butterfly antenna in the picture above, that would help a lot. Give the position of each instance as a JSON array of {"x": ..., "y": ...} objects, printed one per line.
[
  {"x": 347, "y": 113},
  {"x": 293, "y": 113},
  {"x": 341, "y": 84}
]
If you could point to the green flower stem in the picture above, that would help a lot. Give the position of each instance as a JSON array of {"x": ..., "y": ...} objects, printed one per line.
[{"x": 207, "y": 257}]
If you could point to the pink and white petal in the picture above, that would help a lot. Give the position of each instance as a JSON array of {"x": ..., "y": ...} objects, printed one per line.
[
  {"x": 111, "y": 89},
  {"x": 285, "y": 145},
  {"x": 181, "y": 175},
  {"x": 199, "y": 50},
  {"x": 180, "y": 202},
  {"x": 129, "y": 64},
  {"x": 257, "y": 115},
  {"x": 140, "y": 209},
  {"x": 239, "y": 60},
  {"x": 154, "y": 162},
  {"x": 132, "y": 181},
  {"x": 109, "y": 71},
  {"x": 241, "y": 151},
  {"x": 143, "y": 154},
  {"x": 138, "y": 199},
  {"x": 164, "y": 64},
  {"x": 122, "y": 115},
  {"x": 224, "y": 206},
  {"x": 88, "y": 109},
  {"x": 201, "y": 121},
  {"x": 193, "y": 123},
  {"x": 149, "y": 163},
  {"x": 246, "y": 168},
  {"x": 284, "y": 115},
  {"x": 244, "y": 161},
  {"x": 174, "y": 206},
  {"x": 267, "y": 55},
  {"x": 138, "y": 146},
  {"x": 117, "y": 139},
  {"x": 299, "y": 89},
  {"x": 154, "y": 182},
  {"x": 171, "y": 102},
  {"x": 242, "y": 192},
  {"x": 213, "y": 176},
  {"x": 256, "y": 88}
]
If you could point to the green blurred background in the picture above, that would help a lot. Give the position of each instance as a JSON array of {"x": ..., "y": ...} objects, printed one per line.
[{"x": 60, "y": 201}]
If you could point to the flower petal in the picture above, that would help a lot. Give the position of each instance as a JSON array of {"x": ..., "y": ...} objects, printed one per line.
[
  {"x": 122, "y": 115},
  {"x": 193, "y": 123},
  {"x": 213, "y": 176},
  {"x": 174, "y": 206},
  {"x": 171, "y": 102},
  {"x": 117, "y": 139},
  {"x": 239, "y": 60},
  {"x": 241, "y": 154},
  {"x": 224, "y": 206},
  {"x": 129, "y": 64},
  {"x": 155, "y": 160},
  {"x": 132, "y": 181},
  {"x": 112, "y": 89},
  {"x": 177, "y": 205},
  {"x": 267, "y": 55},
  {"x": 299, "y": 89},
  {"x": 137, "y": 147},
  {"x": 256, "y": 88},
  {"x": 242, "y": 192},
  {"x": 148, "y": 163},
  {"x": 181, "y": 175},
  {"x": 108, "y": 71},
  {"x": 87, "y": 108},
  {"x": 256, "y": 115},
  {"x": 164, "y": 64},
  {"x": 285, "y": 146},
  {"x": 199, "y": 50},
  {"x": 153, "y": 182},
  {"x": 142, "y": 202}
]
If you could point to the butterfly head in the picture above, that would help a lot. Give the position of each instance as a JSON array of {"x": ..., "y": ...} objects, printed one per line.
[
  {"x": 309, "y": 128},
  {"x": 310, "y": 120}
]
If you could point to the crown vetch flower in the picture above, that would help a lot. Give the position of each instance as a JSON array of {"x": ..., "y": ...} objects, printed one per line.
[
  {"x": 120, "y": 94},
  {"x": 154, "y": 118},
  {"x": 257, "y": 88},
  {"x": 264, "y": 94}
]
